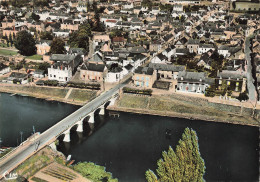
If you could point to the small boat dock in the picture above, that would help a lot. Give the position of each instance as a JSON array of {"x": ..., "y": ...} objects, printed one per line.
[{"x": 114, "y": 114}]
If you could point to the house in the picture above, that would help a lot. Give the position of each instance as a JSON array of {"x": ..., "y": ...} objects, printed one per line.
[
  {"x": 192, "y": 82},
  {"x": 43, "y": 47},
  {"x": 169, "y": 52},
  {"x": 193, "y": 45},
  {"x": 144, "y": 77},
  {"x": 64, "y": 67},
  {"x": 96, "y": 58},
  {"x": 160, "y": 58},
  {"x": 93, "y": 72},
  {"x": 61, "y": 33},
  {"x": 18, "y": 78},
  {"x": 38, "y": 74},
  {"x": 109, "y": 10},
  {"x": 115, "y": 73},
  {"x": 178, "y": 7},
  {"x": 69, "y": 24},
  {"x": 119, "y": 41},
  {"x": 155, "y": 46},
  {"x": 167, "y": 71},
  {"x": 110, "y": 23},
  {"x": 224, "y": 50},
  {"x": 234, "y": 80},
  {"x": 4, "y": 69},
  {"x": 203, "y": 48}
]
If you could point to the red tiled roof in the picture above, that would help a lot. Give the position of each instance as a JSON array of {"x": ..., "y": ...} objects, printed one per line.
[
  {"x": 118, "y": 39},
  {"x": 112, "y": 21}
]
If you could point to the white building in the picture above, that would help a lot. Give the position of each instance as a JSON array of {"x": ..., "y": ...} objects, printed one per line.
[
  {"x": 64, "y": 66},
  {"x": 4, "y": 69},
  {"x": 224, "y": 50},
  {"x": 203, "y": 48}
]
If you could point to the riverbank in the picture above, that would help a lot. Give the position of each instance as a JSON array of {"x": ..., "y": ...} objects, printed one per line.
[
  {"x": 172, "y": 105},
  {"x": 175, "y": 105},
  {"x": 48, "y": 165},
  {"x": 67, "y": 95}
]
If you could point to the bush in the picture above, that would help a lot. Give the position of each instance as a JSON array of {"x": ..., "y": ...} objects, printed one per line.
[
  {"x": 94, "y": 86},
  {"x": 51, "y": 82},
  {"x": 137, "y": 91},
  {"x": 242, "y": 96}
]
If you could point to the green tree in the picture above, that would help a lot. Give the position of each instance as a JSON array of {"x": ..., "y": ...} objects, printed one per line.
[
  {"x": 242, "y": 96},
  {"x": 185, "y": 164},
  {"x": 35, "y": 17},
  {"x": 44, "y": 66},
  {"x": 46, "y": 36},
  {"x": 25, "y": 43},
  {"x": 94, "y": 172},
  {"x": 57, "y": 46},
  {"x": 11, "y": 40},
  {"x": 80, "y": 38}
]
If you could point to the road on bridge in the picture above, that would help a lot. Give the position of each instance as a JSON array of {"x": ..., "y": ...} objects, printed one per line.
[{"x": 23, "y": 152}]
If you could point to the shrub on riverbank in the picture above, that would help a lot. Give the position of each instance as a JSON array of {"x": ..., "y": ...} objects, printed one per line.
[
  {"x": 94, "y": 172},
  {"x": 94, "y": 86},
  {"x": 137, "y": 91}
]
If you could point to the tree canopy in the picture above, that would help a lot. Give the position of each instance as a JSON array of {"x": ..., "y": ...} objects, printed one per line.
[
  {"x": 57, "y": 46},
  {"x": 94, "y": 172},
  {"x": 80, "y": 38},
  {"x": 242, "y": 97},
  {"x": 46, "y": 35},
  {"x": 185, "y": 164},
  {"x": 25, "y": 43},
  {"x": 35, "y": 17}
]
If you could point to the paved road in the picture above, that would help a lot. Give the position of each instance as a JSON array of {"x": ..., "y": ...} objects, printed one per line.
[
  {"x": 49, "y": 135},
  {"x": 250, "y": 80}
]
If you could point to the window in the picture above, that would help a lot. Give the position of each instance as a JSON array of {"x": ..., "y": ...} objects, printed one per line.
[
  {"x": 137, "y": 78},
  {"x": 142, "y": 78},
  {"x": 54, "y": 76},
  {"x": 147, "y": 84},
  {"x": 137, "y": 83},
  {"x": 147, "y": 78},
  {"x": 228, "y": 82}
]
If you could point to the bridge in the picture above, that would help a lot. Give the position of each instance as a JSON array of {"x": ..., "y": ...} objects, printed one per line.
[{"x": 63, "y": 127}]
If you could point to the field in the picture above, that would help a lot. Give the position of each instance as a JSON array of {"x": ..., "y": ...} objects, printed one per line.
[
  {"x": 82, "y": 95},
  {"x": 77, "y": 96},
  {"x": 6, "y": 52},
  {"x": 34, "y": 57}
]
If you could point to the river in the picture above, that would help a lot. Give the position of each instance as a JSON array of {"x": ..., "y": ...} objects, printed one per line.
[{"x": 129, "y": 145}]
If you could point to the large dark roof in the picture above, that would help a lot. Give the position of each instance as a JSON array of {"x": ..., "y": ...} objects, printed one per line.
[
  {"x": 144, "y": 70},
  {"x": 93, "y": 67},
  {"x": 166, "y": 67}
]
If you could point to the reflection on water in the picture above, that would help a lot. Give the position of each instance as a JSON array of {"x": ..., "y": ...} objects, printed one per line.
[{"x": 129, "y": 145}]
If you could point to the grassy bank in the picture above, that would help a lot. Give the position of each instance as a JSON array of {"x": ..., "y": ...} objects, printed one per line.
[
  {"x": 6, "y": 52},
  {"x": 34, "y": 57},
  {"x": 77, "y": 96},
  {"x": 184, "y": 107}
]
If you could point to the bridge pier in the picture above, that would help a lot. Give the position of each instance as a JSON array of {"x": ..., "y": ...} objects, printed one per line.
[
  {"x": 80, "y": 125},
  {"x": 53, "y": 146},
  {"x": 67, "y": 136},
  {"x": 112, "y": 101},
  {"x": 91, "y": 119},
  {"x": 102, "y": 110}
]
